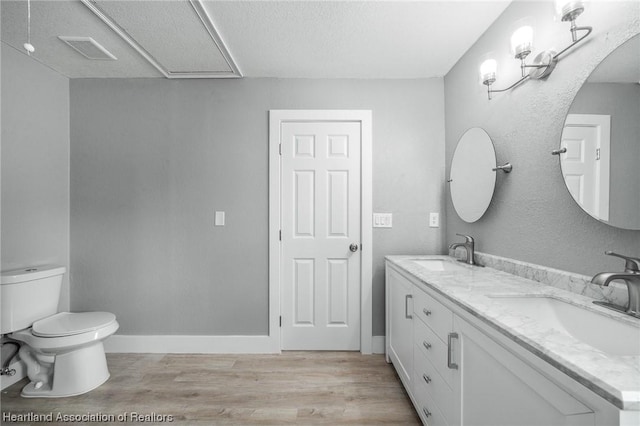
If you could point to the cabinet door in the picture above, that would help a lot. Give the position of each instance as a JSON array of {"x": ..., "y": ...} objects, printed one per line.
[
  {"x": 497, "y": 388},
  {"x": 399, "y": 325}
]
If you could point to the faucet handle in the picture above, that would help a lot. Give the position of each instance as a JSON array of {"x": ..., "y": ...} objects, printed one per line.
[
  {"x": 632, "y": 264},
  {"x": 467, "y": 237}
]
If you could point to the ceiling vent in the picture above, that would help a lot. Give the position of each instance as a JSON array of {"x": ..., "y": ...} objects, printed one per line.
[{"x": 88, "y": 48}]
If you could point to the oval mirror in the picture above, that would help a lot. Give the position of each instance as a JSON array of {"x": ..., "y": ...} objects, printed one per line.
[
  {"x": 472, "y": 177},
  {"x": 600, "y": 144}
]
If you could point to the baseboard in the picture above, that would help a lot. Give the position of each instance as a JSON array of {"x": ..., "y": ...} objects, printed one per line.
[
  {"x": 21, "y": 373},
  {"x": 378, "y": 344},
  {"x": 192, "y": 344},
  {"x": 120, "y": 343}
]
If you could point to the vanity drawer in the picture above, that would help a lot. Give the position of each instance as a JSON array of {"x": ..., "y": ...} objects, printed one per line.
[
  {"x": 433, "y": 313},
  {"x": 427, "y": 375},
  {"x": 434, "y": 349},
  {"x": 426, "y": 407}
]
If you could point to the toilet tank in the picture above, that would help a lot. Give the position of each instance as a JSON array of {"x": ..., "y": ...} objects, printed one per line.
[{"x": 27, "y": 295}]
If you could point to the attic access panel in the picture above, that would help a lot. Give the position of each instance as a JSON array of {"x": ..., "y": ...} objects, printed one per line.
[{"x": 176, "y": 37}]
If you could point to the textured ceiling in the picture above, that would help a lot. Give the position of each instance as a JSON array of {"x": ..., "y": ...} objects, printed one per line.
[
  {"x": 300, "y": 39},
  {"x": 191, "y": 48},
  {"x": 371, "y": 39},
  {"x": 50, "y": 19}
]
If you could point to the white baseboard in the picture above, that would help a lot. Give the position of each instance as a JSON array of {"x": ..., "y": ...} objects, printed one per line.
[
  {"x": 192, "y": 344},
  {"x": 378, "y": 344},
  {"x": 120, "y": 343},
  {"x": 21, "y": 373}
]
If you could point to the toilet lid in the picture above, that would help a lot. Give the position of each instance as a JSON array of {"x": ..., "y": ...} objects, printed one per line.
[{"x": 68, "y": 323}]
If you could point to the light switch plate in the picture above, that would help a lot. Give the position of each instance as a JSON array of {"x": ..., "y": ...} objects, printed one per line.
[
  {"x": 382, "y": 220},
  {"x": 219, "y": 219}
]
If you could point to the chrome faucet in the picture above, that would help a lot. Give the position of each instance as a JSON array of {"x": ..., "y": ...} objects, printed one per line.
[
  {"x": 469, "y": 246},
  {"x": 631, "y": 276}
]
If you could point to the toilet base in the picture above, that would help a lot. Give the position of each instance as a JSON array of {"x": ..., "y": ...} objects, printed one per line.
[{"x": 74, "y": 373}]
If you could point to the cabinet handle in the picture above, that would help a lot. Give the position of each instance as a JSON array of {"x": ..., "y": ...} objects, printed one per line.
[
  {"x": 426, "y": 412},
  {"x": 406, "y": 307},
  {"x": 426, "y": 378},
  {"x": 426, "y": 312},
  {"x": 450, "y": 364},
  {"x": 426, "y": 344}
]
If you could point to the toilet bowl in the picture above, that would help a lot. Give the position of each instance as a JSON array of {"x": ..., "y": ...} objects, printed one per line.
[{"x": 63, "y": 351}]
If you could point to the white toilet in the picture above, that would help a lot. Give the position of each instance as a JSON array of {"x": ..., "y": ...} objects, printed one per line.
[{"x": 63, "y": 351}]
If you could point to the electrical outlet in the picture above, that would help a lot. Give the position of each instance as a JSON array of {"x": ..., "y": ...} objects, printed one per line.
[
  {"x": 434, "y": 220},
  {"x": 382, "y": 220},
  {"x": 219, "y": 219}
]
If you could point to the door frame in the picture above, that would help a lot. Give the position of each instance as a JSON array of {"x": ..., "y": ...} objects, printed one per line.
[
  {"x": 602, "y": 124},
  {"x": 276, "y": 118}
]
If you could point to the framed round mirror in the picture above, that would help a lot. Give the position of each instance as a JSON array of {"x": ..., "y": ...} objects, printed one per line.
[
  {"x": 600, "y": 143},
  {"x": 472, "y": 178}
]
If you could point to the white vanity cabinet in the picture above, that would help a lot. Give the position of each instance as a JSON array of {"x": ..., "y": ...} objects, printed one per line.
[
  {"x": 463, "y": 372},
  {"x": 495, "y": 387},
  {"x": 417, "y": 334},
  {"x": 434, "y": 381},
  {"x": 399, "y": 327}
]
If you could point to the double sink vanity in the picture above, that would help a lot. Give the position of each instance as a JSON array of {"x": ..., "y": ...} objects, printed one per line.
[
  {"x": 479, "y": 346},
  {"x": 512, "y": 343}
]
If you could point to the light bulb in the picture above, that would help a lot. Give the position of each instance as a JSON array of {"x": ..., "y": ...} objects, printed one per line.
[
  {"x": 521, "y": 42},
  {"x": 568, "y": 10},
  {"x": 29, "y": 48},
  {"x": 488, "y": 71}
]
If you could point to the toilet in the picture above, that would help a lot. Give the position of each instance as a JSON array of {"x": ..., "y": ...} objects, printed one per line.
[{"x": 63, "y": 351}]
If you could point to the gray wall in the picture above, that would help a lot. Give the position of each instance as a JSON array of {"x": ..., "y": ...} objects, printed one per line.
[
  {"x": 151, "y": 160},
  {"x": 622, "y": 102},
  {"x": 532, "y": 216},
  {"x": 35, "y": 165}
]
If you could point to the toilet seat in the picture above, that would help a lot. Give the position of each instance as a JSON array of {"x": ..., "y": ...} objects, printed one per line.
[
  {"x": 69, "y": 324},
  {"x": 68, "y": 342}
]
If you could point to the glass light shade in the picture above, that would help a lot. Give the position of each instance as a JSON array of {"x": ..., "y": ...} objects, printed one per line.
[
  {"x": 521, "y": 41},
  {"x": 568, "y": 10},
  {"x": 488, "y": 71}
]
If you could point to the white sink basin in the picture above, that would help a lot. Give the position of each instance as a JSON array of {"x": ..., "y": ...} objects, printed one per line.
[
  {"x": 596, "y": 330},
  {"x": 439, "y": 265}
]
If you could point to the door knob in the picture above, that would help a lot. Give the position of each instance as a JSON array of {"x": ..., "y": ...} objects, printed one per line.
[{"x": 353, "y": 247}]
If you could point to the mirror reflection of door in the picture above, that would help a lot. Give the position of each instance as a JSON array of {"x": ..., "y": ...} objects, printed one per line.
[
  {"x": 586, "y": 162},
  {"x": 613, "y": 90}
]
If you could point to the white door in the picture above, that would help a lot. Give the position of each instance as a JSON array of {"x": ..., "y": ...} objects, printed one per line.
[
  {"x": 585, "y": 164},
  {"x": 320, "y": 223}
]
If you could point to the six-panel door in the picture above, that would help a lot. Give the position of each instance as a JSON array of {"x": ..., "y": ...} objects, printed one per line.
[{"x": 320, "y": 300}]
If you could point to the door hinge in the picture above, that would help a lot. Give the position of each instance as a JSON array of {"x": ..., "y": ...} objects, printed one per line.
[
  {"x": 279, "y": 149},
  {"x": 280, "y": 235},
  {"x": 280, "y": 320},
  {"x": 597, "y": 154}
]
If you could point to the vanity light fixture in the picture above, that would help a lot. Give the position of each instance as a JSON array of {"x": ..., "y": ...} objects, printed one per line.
[{"x": 522, "y": 44}]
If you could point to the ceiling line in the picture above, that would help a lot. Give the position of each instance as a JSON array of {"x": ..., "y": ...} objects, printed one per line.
[
  {"x": 215, "y": 35},
  {"x": 204, "y": 19}
]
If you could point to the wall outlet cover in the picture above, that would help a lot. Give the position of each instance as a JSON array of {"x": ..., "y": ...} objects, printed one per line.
[
  {"x": 434, "y": 220},
  {"x": 219, "y": 219}
]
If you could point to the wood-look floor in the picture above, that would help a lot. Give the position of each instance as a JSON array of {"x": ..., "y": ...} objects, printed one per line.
[{"x": 302, "y": 388}]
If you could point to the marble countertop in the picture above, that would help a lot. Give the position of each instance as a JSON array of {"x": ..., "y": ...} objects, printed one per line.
[{"x": 477, "y": 290}]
